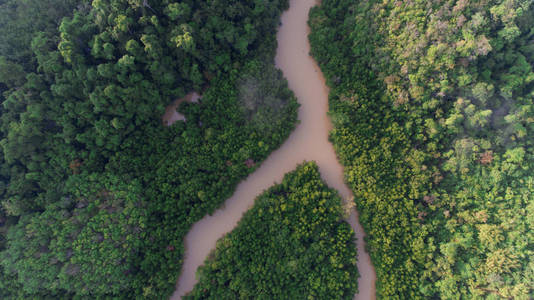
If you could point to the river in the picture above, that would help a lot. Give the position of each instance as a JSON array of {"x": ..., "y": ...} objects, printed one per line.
[{"x": 308, "y": 142}]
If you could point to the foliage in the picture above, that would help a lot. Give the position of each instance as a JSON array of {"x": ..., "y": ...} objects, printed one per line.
[
  {"x": 82, "y": 110},
  {"x": 432, "y": 105},
  {"x": 293, "y": 244},
  {"x": 263, "y": 96},
  {"x": 87, "y": 243}
]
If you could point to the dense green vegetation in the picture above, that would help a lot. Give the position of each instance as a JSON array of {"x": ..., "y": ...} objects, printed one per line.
[
  {"x": 433, "y": 109},
  {"x": 293, "y": 244},
  {"x": 96, "y": 193}
]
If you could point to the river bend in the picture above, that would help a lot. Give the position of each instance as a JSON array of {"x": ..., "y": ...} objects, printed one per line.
[{"x": 309, "y": 141}]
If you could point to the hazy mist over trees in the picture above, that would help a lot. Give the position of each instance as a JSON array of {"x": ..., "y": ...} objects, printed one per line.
[{"x": 433, "y": 109}]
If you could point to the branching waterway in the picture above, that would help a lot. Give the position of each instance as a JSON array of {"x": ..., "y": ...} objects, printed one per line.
[{"x": 308, "y": 142}]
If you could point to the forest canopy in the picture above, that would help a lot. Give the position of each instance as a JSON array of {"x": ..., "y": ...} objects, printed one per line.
[
  {"x": 432, "y": 103},
  {"x": 96, "y": 193},
  {"x": 292, "y": 244}
]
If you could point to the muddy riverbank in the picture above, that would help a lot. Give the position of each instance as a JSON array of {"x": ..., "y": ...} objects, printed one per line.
[{"x": 308, "y": 142}]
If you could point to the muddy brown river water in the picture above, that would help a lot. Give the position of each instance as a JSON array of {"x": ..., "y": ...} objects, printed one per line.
[
  {"x": 308, "y": 142},
  {"x": 171, "y": 115}
]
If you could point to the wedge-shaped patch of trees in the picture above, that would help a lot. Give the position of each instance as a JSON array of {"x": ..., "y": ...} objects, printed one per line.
[
  {"x": 293, "y": 244},
  {"x": 433, "y": 109}
]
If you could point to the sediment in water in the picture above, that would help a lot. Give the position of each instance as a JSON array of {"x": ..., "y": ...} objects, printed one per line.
[{"x": 308, "y": 142}]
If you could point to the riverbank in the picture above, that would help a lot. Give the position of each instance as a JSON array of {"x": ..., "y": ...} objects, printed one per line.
[{"x": 308, "y": 142}]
